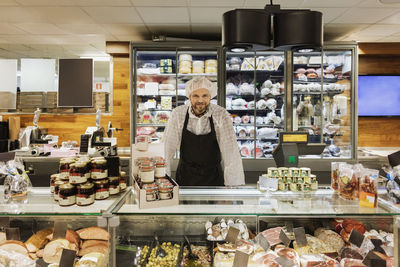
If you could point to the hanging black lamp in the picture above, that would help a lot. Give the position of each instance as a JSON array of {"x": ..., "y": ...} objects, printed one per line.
[
  {"x": 246, "y": 29},
  {"x": 297, "y": 29}
]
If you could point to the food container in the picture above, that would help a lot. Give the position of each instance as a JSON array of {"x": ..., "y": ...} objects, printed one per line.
[
  {"x": 305, "y": 172},
  {"x": 151, "y": 191},
  {"x": 273, "y": 172},
  {"x": 335, "y": 175},
  {"x": 166, "y": 69},
  {"x": 66, "y": 195},
  {"x": 135, "y": 167},
  {"x": 64, "y": 167},
  {"x": 300, "y": 187},
  {"x": 369, "y": 188},
  {"x": 299, "y": 180},
  {"x": 294, "y": 172},
  {"x": 57, "y": 185},
  {"x": 283, "y": 171},
  {"x": 53, "y": 179},
  {"x": 283, "y": 187},
  {"x": 165, "y": 62},
  {"x": 99, "y": 168},
  {"x": 162, "y": 180},
  {"x": 313, "y": 178},
  {"x": 85, "y": 194},
  {"x": 165, "y": 190},
  {"x": 160, "y": 169},
  {"x": 113, "y": 185},
  {"x": 123, "y": 181},
  {"x": 314, "y": 186},
  {"x": 101, "y": 189},
  {"x": 79, "y": 172},
  {"x": 293, "y": 187},
  {"x": 348, "y": 183},
  {"x": 146, "y": 172},
  {"x": 142, "y": 142}
]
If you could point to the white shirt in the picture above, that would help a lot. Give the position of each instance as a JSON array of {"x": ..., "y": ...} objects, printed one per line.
[{"x": 226, "y": 137}]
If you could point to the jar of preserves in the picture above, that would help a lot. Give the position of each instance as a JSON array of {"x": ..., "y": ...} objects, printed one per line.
[
  {"x": 79, "y": 172},
  {"x": 146, "y": 172},
  {"x": 64, "y": 167},
  {"x": 99, "y": 168},
  {"x": 66, "y": 195},
  {"x": 294, "y": 172},
  {"x": 283, "y": 172},
  {"x": 273, "y": 172},
  {"x": 101, "y": 189},
  {"x": 53, "y": 179},
  {"x": 165, "y": 190},
  {"x": 113, "y": 185},
  {"x": 85, "y": 194},
  {"x": 135, "y": 167},
  {"x": 123, "y": 181},
  {"x": 305, "y": 172},
  {"x": 151, "y": 191},
  {"x": 160, "y": 170},
  {"x": 57, "y": 185},
  {"x": 162, "y": 180}
]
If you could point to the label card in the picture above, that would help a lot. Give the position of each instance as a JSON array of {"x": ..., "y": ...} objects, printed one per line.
[
  {"x": 232, "y": 235},
  {"x": 300, "y": 235},
  {"x": 241, "y": 259},
  {"x": 60, "y": 229},
  {"x": 12, "y": 234},
  {"x": 376, "y": 242},
  {"x": 289, "y": 226},
  {"x": 67, "y": 258},
  {"x": 356, "y": 238},
  {"x": 284, "y": 262},
  {"x": 262, "y": 241},
  {"x": 374, "y": 260},
  {"x": 41, "y": 263},
  {"x": 284, "y": 238}
]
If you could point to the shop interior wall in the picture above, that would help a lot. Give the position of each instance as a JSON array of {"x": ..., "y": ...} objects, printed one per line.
[
  {"x": 70, "y": 127},
  {"x": 379, "y": 58}
]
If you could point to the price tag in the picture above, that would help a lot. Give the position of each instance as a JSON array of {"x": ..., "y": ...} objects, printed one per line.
[
  {"x": 262, "y": 241},
  {"x": 356, "y": 238},
  {"x": 289, "y": 226},
  {"x": 284, "y": 262},
  {"x": 300, "y": 235},
  {"x": 67, "y": 258},
  {"x": 373, "y": 260},
  {"x": 41, "y": 263},
  {"x": 232, "y": 235},
  {"x": 284, "y": 238},
  {"x": 241, "y": 259},
  {"x": 12, "y": 234},
  {"x": 60, "y": 229}
]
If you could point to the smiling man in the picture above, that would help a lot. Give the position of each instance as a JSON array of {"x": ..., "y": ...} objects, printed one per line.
[{"x": 204, "y": 134}]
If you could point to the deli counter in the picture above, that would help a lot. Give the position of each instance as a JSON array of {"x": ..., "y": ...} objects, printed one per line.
[{"x": 131, "y": 229}]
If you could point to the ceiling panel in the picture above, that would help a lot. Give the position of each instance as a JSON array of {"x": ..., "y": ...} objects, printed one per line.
[
  {"x": 282, "y": 3},
  {"x": 390, "y": 39},
  {"x": 20, "y": 14},
  {"x": 164, "y": 15},
  {"x": 62, "y": 15},
  {"x": 329, "y": 14},
  {"x": 158, "y": 3},
  {"x": 380, "y": 30},
  {"x": 376, "y": 3},
  {"x": 133, "y": 38},
  {"x": 40, "y": 28},
  {"x": 330, "y": 3},
  {"x": 7, "y": 28},
  {"x": 202, "y": 15},
  {"x": 364, "y": 15},
  {"x": 82, "y": 28},
  {"x": 394, "y": 19},
  {"x": 336, "y": 31},
  {"x": 207, "y": 28},
  {"x": 107, "y": 15},
  {"x": 221, "y": 3},
  {"x": 102, "y": 3},
  {"x": 170, "y": 29},
  {"x": 45, "y": 2},
  {"x": 125, "y": 29}
]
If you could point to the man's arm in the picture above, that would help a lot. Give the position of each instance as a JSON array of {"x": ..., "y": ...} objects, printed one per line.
[
  {"x": 231, "y": 160},
  {"x": 171, "y": 138}
]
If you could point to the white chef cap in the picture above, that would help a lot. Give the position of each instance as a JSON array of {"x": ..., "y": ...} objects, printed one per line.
[{"x": 199, "y": 83}]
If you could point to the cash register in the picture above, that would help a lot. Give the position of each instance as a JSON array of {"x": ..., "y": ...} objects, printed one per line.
[{"x": 293, "y": 144}]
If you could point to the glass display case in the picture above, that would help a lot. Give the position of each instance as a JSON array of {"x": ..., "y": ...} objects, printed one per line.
[
  {"x": 255, "y": 98},
  {"x": 323, "y": 98},
  {"x": 159, "y": 76}
]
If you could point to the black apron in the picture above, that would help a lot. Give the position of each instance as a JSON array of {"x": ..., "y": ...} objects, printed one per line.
[{"x": 200, "y": 158}]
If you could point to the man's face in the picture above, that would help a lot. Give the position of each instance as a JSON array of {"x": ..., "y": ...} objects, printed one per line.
[{"x": 200, "y": 99}]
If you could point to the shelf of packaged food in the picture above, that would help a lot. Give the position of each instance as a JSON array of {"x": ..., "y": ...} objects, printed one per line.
[
  {"x": 267, "y": 138},
  {"x": 249, "y": 110},
  {"x": 151, "y": 125},
  {"x": 197, "y": 74},
  {"x": 155, "y": 96},
  {"x": 257, "y": 138},
  {"x": 153, "y": 109},
  {"x": 318, "y": 93},
  {"x": 156, "y": 74},
  {"x": 251, "y": 97},
  {"x": 325, "y": 80}
]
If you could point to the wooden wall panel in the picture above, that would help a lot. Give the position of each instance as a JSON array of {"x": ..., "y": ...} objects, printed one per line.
[
  {"x": 70, "y": 127},
  {"x": 379, "y": 58}
]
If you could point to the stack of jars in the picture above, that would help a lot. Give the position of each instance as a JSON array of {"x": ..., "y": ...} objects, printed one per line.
[
  {"x": 86, "y": 181},
  {"x": 153, "y": 179}
]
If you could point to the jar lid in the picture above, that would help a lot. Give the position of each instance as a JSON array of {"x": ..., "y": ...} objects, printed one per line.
[
  {"x": 312, "y": 175},
  {"x": 283, "y": 168},
  {"x": 145, "y": 164},
  {"x": 100, "y": 161},
  {"x": 113, "y": 178},
  {"x": 66, "y": 160},
  {"x": 162, "y": 180},
  {"x": 152, "y": 186},
  {"x": 122, "y": 173},
  {"x": 66, "y": 186},
  {"x": 79, "y": 164},
  {"x": 166, "y": 185},
  {"x": 294, "y": 168},
  {"x": 86, "y": 186},
  {"x": 305, "y": 169},
  {"x": 60, "y": 182},
  {"x": 103, "y": 181},
  {"x": 55, "y": 176}
]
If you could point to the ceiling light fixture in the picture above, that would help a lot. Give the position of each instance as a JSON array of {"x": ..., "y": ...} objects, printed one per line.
[
  {"x": 238, "y": 49},
  {"x": 307, "y": 50}
]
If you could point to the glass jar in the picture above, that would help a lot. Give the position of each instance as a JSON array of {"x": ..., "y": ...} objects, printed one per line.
[
  {"x": 162, "y": 180},
  {"x": 305, "y": 172},
  {"x": 151, "y": 191},
  {"x": 146, "y": 172},
  {"x": 99, "y": 168},
  {"x": 53, "y": 179},
  {"x": 79, "y": 172},
  {"x": 142, "y": 142},
  {"x": 369, "y": 188},
  {"x": 135, "y": 167},
  {"x": 113, "y": 185},
  {"x": 294, "y": 172},
  {"x": 66, "y": 195},
  {"x": 160, "y": 170},
  {"x": 64, "y": 167},
  {"x": 273, "y": 172},
  {"x": 283, "y": 172},
  {"x": 101, "y": 189},
  {"x": 85, "y": 194},
  {"x": 57, "y": 185},
  {"x": 123, "y": 181},
  {"x": 165, "y": 190}
]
